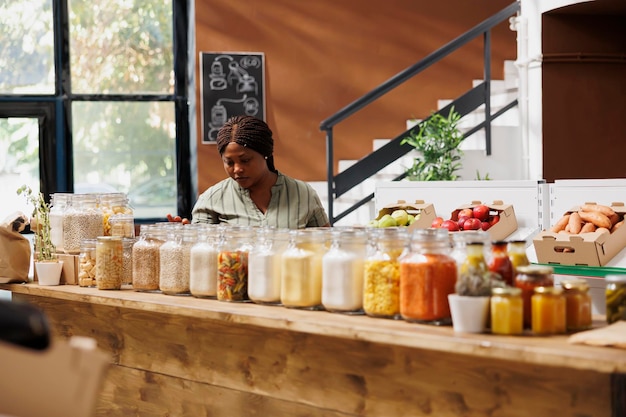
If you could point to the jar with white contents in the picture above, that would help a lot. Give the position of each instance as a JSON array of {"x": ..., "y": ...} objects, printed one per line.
[
  {"x": 81, "y": 220},
  {"x": 264, "y": 265},
  {"x": 203, "y": 261}
]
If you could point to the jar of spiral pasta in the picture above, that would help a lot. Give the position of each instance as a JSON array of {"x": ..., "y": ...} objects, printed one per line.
[
  {"x": 109, "y": 262},
  {"x": 232, "y": 264}
]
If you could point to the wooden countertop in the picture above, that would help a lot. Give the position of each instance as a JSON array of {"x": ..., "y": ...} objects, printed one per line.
[{"x": 535, "y": 350}]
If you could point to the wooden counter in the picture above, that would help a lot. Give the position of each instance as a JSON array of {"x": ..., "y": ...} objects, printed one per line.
[{"x": 183, "y": 356}]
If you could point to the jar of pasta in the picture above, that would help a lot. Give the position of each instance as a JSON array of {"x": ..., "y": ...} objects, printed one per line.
[
  {"x": 615, "y": 298},
  {"x": 264, "y": 265},
  {"x": 577, "y": 303},
  {"x": 109, "y": 262},
  {"x": 111, "y": 205},
  {"x": 381, "y": 279},
  {"x": 87, "y": 263},
  {"x": 122, "y": 225},
  {"x": 527, "y": 279},
  {"x": 548, "y": 311},
  {"x": 428, "y": 274},
  {"x": 507, "y": 311},
  {"x": 203, "y": 261},
  {"x": 232, "y": 264}
]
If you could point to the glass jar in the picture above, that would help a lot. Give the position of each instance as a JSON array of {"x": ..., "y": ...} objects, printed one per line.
[
  {"x": 122, "y": 225},
  {"x": 87, "y": 263},
  {"x": 146, "y": 258},
  {"x": 301, "y": 269},
  {"x": 527, "y": 278},
  {"x": 264, "y": 265},
  {"x": 172, "y": 278},
  {"x": 114, "y": 204},
  {"x": 428, "y": 274},
  {"x": 58, "y": 204},
  {"x": 474, "y": 262},
  {"x": 460, "y": 240},
  {"x": 615, "y": 298},
  {"x": 548, "y": 311},
  {"x": 203, "y": 261},
  {"x": 342, "y": 271},
  {"x": 127, "y": 261},
  {"x": 109, "y": 262},
  {"x": 507, "y": 311},
  {"x": 500, "y": 263},
  {"x": 517, "y": 255},
  {"x": 232, "y": 264},
  {"x": 381, "y": 279},
  {"x": 81, "y": 220},
  {"x": 577, "y": 303}
]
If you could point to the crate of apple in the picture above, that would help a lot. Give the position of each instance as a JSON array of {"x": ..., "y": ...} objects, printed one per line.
[{"x": 479, "y": 217}]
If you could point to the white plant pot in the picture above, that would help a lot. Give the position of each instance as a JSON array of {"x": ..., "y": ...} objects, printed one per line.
[
  {"x": 49, "y": 273},
  {"x": 469, "y": 314}
]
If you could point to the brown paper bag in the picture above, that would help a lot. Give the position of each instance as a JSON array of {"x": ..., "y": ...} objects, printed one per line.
[{"x": 15, "y": 250}]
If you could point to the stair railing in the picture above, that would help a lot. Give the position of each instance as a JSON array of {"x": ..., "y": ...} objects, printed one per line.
[{"x": 374, "y": 162}]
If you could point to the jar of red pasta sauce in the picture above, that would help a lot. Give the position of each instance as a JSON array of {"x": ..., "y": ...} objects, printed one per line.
[
  {"x": 428, "y": 274},
  {"x": 529, "y": 277}
]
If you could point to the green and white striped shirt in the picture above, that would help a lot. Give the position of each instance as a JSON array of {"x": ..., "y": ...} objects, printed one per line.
[{"x": 294, "y": 205}]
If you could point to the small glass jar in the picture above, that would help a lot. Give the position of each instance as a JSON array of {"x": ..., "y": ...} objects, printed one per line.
[
  {"x": 548, "y": 311},
  {"x": 203, "y": 261},
  {"x": 342, "y": 272},
  {"x": 172, "y": 278},
  {"x": 381, "y": 279},
  {"x": 507, "y": 311},
  {"x": 111, "y": 205},
  {"x": 615, "y": 298},
  {"x": 109, "y": 262},
  {"x": 474, "y": 262},
  {"x": 146, "y": 258},
  {"x": 577, "y": 303},
  {"x": 428, "y": 274},
  {"x": 58, "y": 205},
  {"x": 127, "y": 262},
  {"x": 81, "y": 220},
  {"x": 122, "y": 225},
  {"x": 460, "y": 240},
  {"x": 527, "y": 279},
  {"x": 500, "y": 263},
  {"x": 264, "y": 265},
  {"x": 232, "y": 264},
  {"x": 87, "y": 263},
  {"x": 517, "y": 255}
]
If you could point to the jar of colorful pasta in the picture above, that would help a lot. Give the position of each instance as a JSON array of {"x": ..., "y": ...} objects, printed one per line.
[{"x": 232, "y": 264}]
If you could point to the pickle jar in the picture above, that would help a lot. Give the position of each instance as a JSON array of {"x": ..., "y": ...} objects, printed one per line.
[
  {"x": 527, "y": 278},
  {"x": 548, "y": 311},
  {"x": 507, "y": 309},
  {"x": 500, "y": 263},
  {"x": 264, "y": 265},
  {"x": 145, "y": 259},
  {"x": 109, "y": 262},
  {"x": 87, "y": 263},
  {"x": 203, "y": 261},
  {"x": 428, "y": 274},
  {"x": 301, "y": 269},
  {"x": 342, "y": 271},
  {"x": 58, "y": 205},
  {"x": 577, "y": 304},
  {"x": 615, "y": 298},
  {"x": 172, "y": 278},
  {"x": 232, "y": 264},
  {"x": 381, "y": 276},
  {"x": 81, "y": 220}
]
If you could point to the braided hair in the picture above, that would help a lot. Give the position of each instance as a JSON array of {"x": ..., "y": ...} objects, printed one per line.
[{"x": 249, "y": 132}]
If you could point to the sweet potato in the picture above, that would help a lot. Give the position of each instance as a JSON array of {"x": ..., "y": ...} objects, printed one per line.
[
  {"x": 575, "y": 223},
  {"x": 595, "y": 217},
  {"x": 588, "y": 228},
  {"x": 599, "y": 208},
  {"x": 617, "y": 226},
  {"x": 560, "y": 224}
]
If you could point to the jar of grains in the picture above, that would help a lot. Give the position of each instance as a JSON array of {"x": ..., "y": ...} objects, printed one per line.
[
  {"x": 548, "y": 310},
  {"x": 577, "y": 304},
  {"x": 301, "y": 269},
  {"x": 58, "y": 204},
  {"x": 381, "y": 272},
  {"x": 203, "y": 261},
  {"x": 506, "y": 310},
  {"x": 172, "y": 277},
  {"x": 264, "y": 261},
  {"x": 342, "y": 271},
  {"x": 81, "y": 220},
  {"x": 114, "y": 204},
  {"x": 427, "y": 275},
  {"x": 109, "y": 262},
  {"x": 615, "y": 298},
  {"x": 527, "y": 278},
  {"x": 127, "y": 261},
  {"x": 87, "y": 263},
  {"x": 232, "y": 264},
  {"x": 145, "y": 258}
]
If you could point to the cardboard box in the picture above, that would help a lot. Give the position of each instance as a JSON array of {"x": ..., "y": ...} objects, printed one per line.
[
  {"x": 69, "y": 273},
  {"x": 505, "y": 226},
  {"x": 61, "y": 381},
  {"x": 589, "y": 249},
  {"x": 424, "y": 212}
]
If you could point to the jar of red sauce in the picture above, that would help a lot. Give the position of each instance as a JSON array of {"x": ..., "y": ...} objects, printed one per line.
[
  {"x": 500, "y": 263},
  {"x": 529, "y": 277}
]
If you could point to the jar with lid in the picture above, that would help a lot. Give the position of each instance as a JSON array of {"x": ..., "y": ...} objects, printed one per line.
[
  {"x": 87, "y": 263},
  {"x": 301, "y": 269},
  {"x": 577, "y": 304},
  {"x": 232, "y": 264},
  {"x": 517, "y": 254},
  {"x": 127, "y": 260},
  {"x": 203, "y": 261},
  {"x": 459, "y": 244},
  {"x": 113, "y": 204},
  {"x": 264, "y": 265},
  {"x": 109, "y": 262},
  {"x": 381, "y": 279},
  {"x": 548, "y": 311},
  {"x": 428, "y": 274},
  {"x": 500, "y": 263},
  {"x": 172, "y": 278},
  {"x": 615, "y": 298},
  {"x": 58, "y": 204},
  {"x": 146, "y": 258},
  {"x": 507, "y": 309},
  {"x": 122, "y": 225},
  {"x": 342, "y": 271},
  {"x": 527, "y": 278},
  {"x": 81, "y": 220}
]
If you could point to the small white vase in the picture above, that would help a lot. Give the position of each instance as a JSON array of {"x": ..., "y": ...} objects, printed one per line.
[
  {"x": 49, "y": 273},
  {"x": 469, "y": 314}
]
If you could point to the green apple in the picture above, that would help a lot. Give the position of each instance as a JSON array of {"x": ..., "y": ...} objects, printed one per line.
[
  {"x": 372, "y": 223},
  {"x": 387, "y": 221},
  {"x": 401, "y": 217},
  {"x": 411, "y": 220}
]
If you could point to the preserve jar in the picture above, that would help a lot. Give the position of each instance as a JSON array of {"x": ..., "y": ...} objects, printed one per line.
[
  {"x": 203, "y": 261},
  {"x": 264, "y": 265},
  {"x": 517, "y": 255},
  {"x": 577, "y": 304},
  {"x": 145, "y": 258},
  {"x": 507, "y": 311},
  {"x": 301, "y": 269},
  {"x": 81, "y": 220},
  {"x": 500, "y": 263},
  {"x": 548, "y": 311},
  {"x": 342, "y": 271},
  {"x": 474, "y": 262},
  {"x": 87, "y": 263},
  {"x": 459, "y": 244},
  {"x": 172, "y": 278},
  {"x": 58, "y": 205},
  {"x": 109, "y": 262},
  {"x": 428, "y": 274},
  {"x": 615, "y": 298},
  {"x": 527, "y": 278},
  {"x": 232, "y": 264},
  {"x": 381, "y": 278}
]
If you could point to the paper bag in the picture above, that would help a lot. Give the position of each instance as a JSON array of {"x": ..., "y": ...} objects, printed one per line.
[{"x": 15, "y": 249}]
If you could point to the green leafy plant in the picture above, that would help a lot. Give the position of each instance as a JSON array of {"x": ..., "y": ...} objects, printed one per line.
[
  {"x": 485, "y": 178},
  {"x": 40, "y": 225},
  {"x": 437, "y": 140}
]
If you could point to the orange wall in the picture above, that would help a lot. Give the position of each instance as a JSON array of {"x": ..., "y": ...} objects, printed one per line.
[{"x": 321, "y": 55}]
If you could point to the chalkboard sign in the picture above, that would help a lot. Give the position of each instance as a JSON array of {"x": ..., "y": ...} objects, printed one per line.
[{"x": 232, "y": 85}]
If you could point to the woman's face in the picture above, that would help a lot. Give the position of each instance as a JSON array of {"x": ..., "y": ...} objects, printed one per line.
[{"x": 244, "y": 165}]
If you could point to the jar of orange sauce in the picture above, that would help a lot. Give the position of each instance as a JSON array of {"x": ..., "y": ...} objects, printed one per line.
[
  {"x": 548, "y": 311},
  {"x": 577, "y": 303}
]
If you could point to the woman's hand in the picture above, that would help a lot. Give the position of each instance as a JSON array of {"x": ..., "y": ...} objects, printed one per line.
[{"x": 177, "y": 219}]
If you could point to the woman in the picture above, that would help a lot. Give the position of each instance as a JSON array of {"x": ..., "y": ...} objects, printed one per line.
[{"x": 255, "y": 194}]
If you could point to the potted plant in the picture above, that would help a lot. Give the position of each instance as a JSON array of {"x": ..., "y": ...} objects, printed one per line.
[
  {"x": 437, "y": 140},
  {"x": 47, "y": 264},
  {"x": 469, "y": 305}
]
